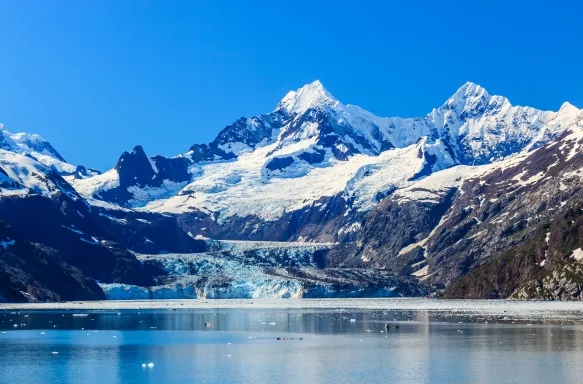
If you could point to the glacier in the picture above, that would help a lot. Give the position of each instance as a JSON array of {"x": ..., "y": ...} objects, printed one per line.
[{"x": 256, "y": 270}]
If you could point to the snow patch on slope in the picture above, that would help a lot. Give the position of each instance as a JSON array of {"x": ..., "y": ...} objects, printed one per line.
[
  {"x": 240, "y": 188},
  {"x": 104, "y": 182},
  {"x": 25, "y": 175}
]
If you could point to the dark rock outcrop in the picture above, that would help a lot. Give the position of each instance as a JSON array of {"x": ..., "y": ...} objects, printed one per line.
[{"x": 32, "y": 272}]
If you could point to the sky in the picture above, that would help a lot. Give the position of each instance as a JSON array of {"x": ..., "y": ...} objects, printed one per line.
[{"x": 96, "y": 78}]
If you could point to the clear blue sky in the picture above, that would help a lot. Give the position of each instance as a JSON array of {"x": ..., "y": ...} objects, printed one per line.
[{"x": 98, "y": 77}]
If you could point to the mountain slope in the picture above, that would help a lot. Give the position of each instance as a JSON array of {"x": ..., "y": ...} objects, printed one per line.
[
  {"x": 495, "y": 228},
  {"x": 47, "y": 223},
  {"x": 460, "y": 198},
  {"x": 27, "y": 143},
  {"x": 264, "y": 177},
  {"x": 31, "y": 272},
  {"x": 39, "y": 149}
]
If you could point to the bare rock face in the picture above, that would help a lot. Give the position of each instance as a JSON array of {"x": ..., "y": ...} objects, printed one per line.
[
  {"x": 546, "y": 267},
  {"x": 523, "y": 217},
  {"x": 135, "y": 170},
  {"x": 395, "y": 229},
  {"x": 31, "y": 272},
  {"x": 509, "y": 231},
  {"x": 76, "y": 233},
  {"x": 563, "y": 283},
  {"x": 499, "y": 277}
]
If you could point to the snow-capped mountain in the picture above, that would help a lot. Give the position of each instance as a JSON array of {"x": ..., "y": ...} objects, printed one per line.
[
  {"x": 510, "y": 228},
  {"x": 39, "y": 149},
  {"x": 21, "y": 175},
  {"x": 434, "y": 197},
  {"x": 27, "y": 143},
  {"x": 313, "y": 150},
  {"x": 54, "y": 245}
]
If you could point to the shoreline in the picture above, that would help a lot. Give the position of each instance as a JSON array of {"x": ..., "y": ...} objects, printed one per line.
[{"x": 480, "y": 306}]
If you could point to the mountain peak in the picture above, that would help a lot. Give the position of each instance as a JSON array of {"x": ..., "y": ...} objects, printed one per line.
[
  {"x": 138, "y": 150},
  {"x": 470, "y": 90},
  {"x": 136, "y": 155},
  {"x": 469, "y": 96},
  {"x": 27, "y": 142},
  {"x": 568, "y": 107},
  {"x": 311, "y": 95}
]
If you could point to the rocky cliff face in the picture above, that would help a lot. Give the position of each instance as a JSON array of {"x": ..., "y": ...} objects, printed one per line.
[
  {"x": 508, "y": 231},
  {"x": 548, "y": 266},
  {"x": 32, "y": 272},
  {"x": 563, "y": 283}
]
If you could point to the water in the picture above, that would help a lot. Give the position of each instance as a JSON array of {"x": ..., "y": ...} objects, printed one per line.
[{"x": 110, "y": 346}]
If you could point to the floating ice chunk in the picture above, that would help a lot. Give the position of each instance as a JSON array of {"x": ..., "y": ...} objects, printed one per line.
[
  {"x": 43, "y": 333},
  {"x": 150, "y": 365},
  {"x": 55, "y": 353},
  {"x": 352, "y": 320}
]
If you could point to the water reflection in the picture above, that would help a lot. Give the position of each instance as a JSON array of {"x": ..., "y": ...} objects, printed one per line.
[{"x": 337, "y": 346}]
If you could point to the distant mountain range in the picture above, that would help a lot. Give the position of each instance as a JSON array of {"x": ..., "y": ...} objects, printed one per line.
[{"x": 478, "y": 198}]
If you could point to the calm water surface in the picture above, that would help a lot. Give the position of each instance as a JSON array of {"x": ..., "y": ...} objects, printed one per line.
[{"x": 337, "y": 346}]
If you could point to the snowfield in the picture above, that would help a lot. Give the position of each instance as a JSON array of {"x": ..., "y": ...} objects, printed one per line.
[
  {"x": 313, "y": 147},
  {"x": 238, "y": 188},
  {"x": 21, "y": 175}
]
